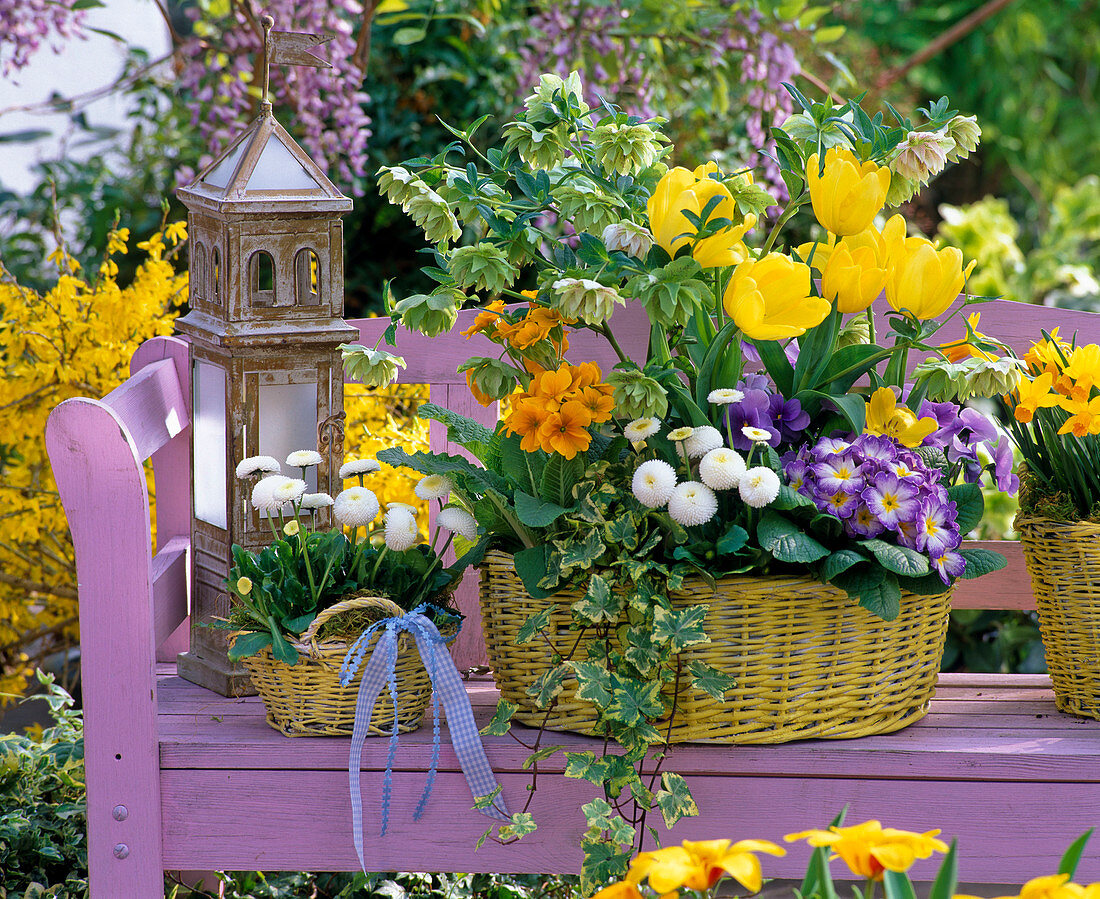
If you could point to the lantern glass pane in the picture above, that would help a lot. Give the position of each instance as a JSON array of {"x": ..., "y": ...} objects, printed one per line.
[
  {"x": 277, "y": 169},
  {"x": 223, "y": 171},
  {"x": 209, "y": 436},
  {"x": 288, "y": 422}
]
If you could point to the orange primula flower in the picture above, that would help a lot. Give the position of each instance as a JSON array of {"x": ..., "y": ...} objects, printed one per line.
[
  {"x": 551, "y": 387},
  {"x": 598, "y": 403},
  {"x": 526, "y": 419},
  {"x": 587, "y": 374},
  {"x": 481, "y": 397},
  {"x": 486, "y": 321},
  {"x": 566, "y": 430}
]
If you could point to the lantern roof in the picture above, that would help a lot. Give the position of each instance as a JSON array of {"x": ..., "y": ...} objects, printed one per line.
[{"x": 265, "y": 166}]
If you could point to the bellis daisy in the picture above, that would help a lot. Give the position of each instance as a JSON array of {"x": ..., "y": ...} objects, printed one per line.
[
  {"x": 355, "y": 507},
  {"x": 401, "y": 529},
  {"x": 702, "y": 441},
  {"x": 434, "y": 486},
  {"x": 359, "y": 466},
  {"x": 303, "y": 458},
  {"x": 641, "y": 429},
  {"x": 257, "y": 465},
  {"x": 724, "y": 396},
  {"x": 291, "y": 528},
  {"x": 756, "y": 435},
  {"x": 458, "y": 520},
  {"x": 721, "y": 468},
  {"x": 692, "y": 503},
  {"x": 312, "y": 501},
  {"x": 680, "y": 434},
  {"x": 758, "y": 486},
  {"x": 653, "y": 483}
]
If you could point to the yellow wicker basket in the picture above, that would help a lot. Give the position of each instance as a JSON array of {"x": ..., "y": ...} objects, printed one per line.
[
  {"x": 306, "y": 699},
  {"x": 807, "y": 661},
  {"x": 1064, "y": 562}
]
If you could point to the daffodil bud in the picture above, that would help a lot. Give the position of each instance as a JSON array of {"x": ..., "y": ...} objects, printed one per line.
[{"x": 483, "y": 266}]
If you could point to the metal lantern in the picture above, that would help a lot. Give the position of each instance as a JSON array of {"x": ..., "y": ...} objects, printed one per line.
[{"x": 266, "y": 375}]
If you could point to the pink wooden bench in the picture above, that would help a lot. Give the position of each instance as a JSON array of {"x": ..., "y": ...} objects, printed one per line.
[{"x": 181, "y": 778}]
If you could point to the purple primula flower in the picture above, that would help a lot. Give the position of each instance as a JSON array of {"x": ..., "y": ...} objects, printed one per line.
[
  {"x": 788, "y": 417},
  {"x": 1007, "y": 481},
  {"x": 881, "y": 449},
  {"x": 949, "y": 565},
  {"x": 798, "y": 474},
  {"x": 840, "y": 503},
  {"x": 891, "y": 498},
  {"x": 830, "y": 446},
  {"x": 907, "y": 534},
  {"x": 841, "y": 472},
  {"x": 937, "y": 532},
  {"x": 864, "y": 522}
]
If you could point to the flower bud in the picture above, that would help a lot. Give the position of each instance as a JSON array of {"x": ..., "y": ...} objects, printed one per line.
[
  {"x": 922, "y": 155},
  {"x": 542, "y": 106},
  {"x": 625, "y": 149},
  {"x": 966, "y": 133},
  {"x": 431, "y": 314},
  {"x": 483, "y": 266},
  {"x": 636, "y": 395},
  {"x": 627, "y": 237},
  {"x": 586, "y": 300},
  {"x": 856, "y": 331}
]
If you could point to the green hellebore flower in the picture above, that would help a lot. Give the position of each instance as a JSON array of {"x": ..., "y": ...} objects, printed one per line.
[
  {"x": 539, "y": 149},
  {"x": 856, "y": 331},
  {"x": 431, "y": 213},
  {"x": 625, "y": 149},
  {"x": 636, "y": 395},
  {"x": 490, "y": 377},
  {"x": 371, "y": 367},
  {"x": 543, "y": 108},
  {"x": 584, "y": 299},
  {"x": 431, "y": 314},
  {"x": 586, "y": 206},
  {"x": 901, "y": 189},
  {"x": 670, "y": 294},
  {"x": 483, "y": 266},
  {"x": 399, "y": 185},
  {"x": 965, "y": 132}
]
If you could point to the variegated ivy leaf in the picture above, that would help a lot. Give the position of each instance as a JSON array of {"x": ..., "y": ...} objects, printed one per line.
[
  {"x": 620, "y": 773},
  {"x": 487, "y": 800},
  {"x": 622, "y": 531},
  {"x": 535, "y": 623},
  {"x": 535, "y": 757},
  {"x": 593, "y": 682},
  {"x": 502, "y": 719},
  {"x": 585, "y": 766},
  {"x": 573, "y": 556},
  {"x": 599, "y": 604},
  {"x": 633, "y": 701},
  {"x": 523, "y": 823},
  {"x": 675, "y": 800},
  {"x": 548, "y": 685},
  {"x": 710, "y": 680},
  {"x": 602, "y": 864},
  {"x": 680, "y": 629},
  {"x": 620, "y": 832},
  {"x": 641, "y": 651},
  {"x": 597, "y": 813}
]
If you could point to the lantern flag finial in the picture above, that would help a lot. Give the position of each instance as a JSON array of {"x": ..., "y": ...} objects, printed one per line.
[{"x": 289, "y": 48}]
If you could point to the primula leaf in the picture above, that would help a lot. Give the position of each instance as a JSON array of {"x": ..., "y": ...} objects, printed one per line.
[
  {"x": 535, "y": 513},
  {"x": 787, "y": 542},
  {"x": 875, "y": 588},
  {"x": 733, "y": 540},
  {"x": 248, "y": 645},
  {"x": 675, "y": 800},
  {"x": 502, "y": 719},
  {"x": 981, "y": 561},
  {"x": 558, "y": 478},
  {"x": 445, "y": 464},
  {"x": 969, "y": 505},
  {"x": 789, "y": 498},
  {"x": 898, "y": 559},
  {"x": 710, "y": 680},
  {"x": 930, "y": 584},
  {"x": 548, "y": 685},
  {"x": 839, "y": 561},
  {"x": 680, "y": 629},
  {"x": 533, "y": 625}
]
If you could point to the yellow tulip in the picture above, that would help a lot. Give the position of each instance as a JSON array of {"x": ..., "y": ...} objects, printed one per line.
[
  {"x": 848, "y": 195},
  {"x": 622, "y": 890},
  {"x": 700, "y": 865},
  {"x": 924, "y": 281},
  {"x": 887, "y": 419},
  {"x": 869, "y": 850},
  {"x": 1051, "y": 886},
  {"x": 682, "y": 191},
  {"x": 769, "y": 298},
  {"x": 853, "y": 277}
]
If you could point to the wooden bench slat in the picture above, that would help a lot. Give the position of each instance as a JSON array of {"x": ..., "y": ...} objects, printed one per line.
[{"x": 170, "y": 587}]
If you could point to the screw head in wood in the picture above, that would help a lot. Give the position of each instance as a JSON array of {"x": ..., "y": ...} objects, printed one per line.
[
  {"x": 120, "y": 813},
  {"x": 121, "y": 850}
]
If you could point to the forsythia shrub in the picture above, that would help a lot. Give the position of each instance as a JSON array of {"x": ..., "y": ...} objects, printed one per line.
[{"x": 74, "y": 340}]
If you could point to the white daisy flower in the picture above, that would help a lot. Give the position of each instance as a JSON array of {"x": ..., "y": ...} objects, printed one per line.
[
  {"x": 758, "y": 486},
  {"x": 271, "y": 493},
  {"x": 458, "y": 520},
  {"x": 289, "y": 491},
  {"x": 355, "y": 507},
  {"x": 401, "y": 530},
  {"x": 702, "y": 441},
  {"x": 721, "y": 469},
  {"x": 412, "y": 510},
  {"x": 680, "y": 434},
  {"x": 434, "y": 486},
  {"x": 653, "y": 483},
  {"x": 692, "y": 503},
  {"x": 316, "y": 501},
  {"x": 257, "y": 465},
  {"x": 723, "y": 396},
  {"x": 359, "y": 466},
  {"x": 303, "y": 458},
  {"x": 756, "y": 435},
  {"x": 641, "y": 428}
]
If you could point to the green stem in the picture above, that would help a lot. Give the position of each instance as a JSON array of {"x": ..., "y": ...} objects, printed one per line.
[
  {"x": 606, "y": 332},
  {"x": 869, "y": 889},
  {"x": 778, "y": 226},
  {"x": 870, "y": 325}
]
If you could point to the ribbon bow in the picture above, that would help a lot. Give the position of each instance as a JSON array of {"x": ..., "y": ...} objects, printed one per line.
[{"x": 446, "y": 686}]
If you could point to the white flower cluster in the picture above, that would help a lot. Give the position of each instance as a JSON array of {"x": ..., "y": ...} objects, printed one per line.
[{"x": 693, "y": 502}]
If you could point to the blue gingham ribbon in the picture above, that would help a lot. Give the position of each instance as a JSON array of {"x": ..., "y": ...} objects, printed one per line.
[{"x": 447, "y": 687}]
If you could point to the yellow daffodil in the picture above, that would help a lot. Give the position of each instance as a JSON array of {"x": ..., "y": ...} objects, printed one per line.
[
  {"x": 700, "y": 865},
  {"x": 1051, "y": 886},
  {"x": 923, "y": 280},
  {"x": 1084, "y": 416},
  {"x": 869, "y": 850},
  {"x": 1032, "y": 395},
  {"x": 1083, "y": 369},
  {"x": 848, "y": 195},
  {"x": 1047, "y": 355},
  {"x": 682, "y": 191},
  {"x": 770, "y": 299},
  {"x": 887, "y": 419},
  {"x": 853, "y": 277}
]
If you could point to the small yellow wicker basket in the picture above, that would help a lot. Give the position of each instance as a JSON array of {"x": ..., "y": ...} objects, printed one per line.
[
  {"x": 306, "y": 699},
  {"x": 807, "y": 661},
  {"x": 1064, "y": 562}
]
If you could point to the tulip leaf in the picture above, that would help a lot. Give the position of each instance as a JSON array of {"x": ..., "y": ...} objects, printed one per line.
[
  {"x": 777, "y": 364},
  {"x": 981, "y": 561},
  {"x": 848, "y": 364},
  {"x": 898, "y": 885},
  {"x": 814, "y": 351},
  {"x": 851, "y": 405},
  {"x": 947, "y": 878},
  {"x": 722, "y": 343},
  {"x": 1073, "y": 854}
]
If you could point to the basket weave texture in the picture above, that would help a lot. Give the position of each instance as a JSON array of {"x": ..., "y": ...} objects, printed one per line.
[
  {"x": 808, "y": 662},
  {"x": 306, "y": 699},
  {"x": 1064, "y": 562}
]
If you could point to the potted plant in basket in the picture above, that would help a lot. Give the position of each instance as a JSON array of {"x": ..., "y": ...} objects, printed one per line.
[
  {"x": 717, "y": 541},
  {"x": 1054, "y": 415},
  {"x": 299, "y": 602}
]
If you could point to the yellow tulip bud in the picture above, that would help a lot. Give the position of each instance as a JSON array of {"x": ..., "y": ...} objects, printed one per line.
[
  {"x": 924, "y": 281},
  {"x": 853, "y": 277},
  {"x": 770, "y": 299},
  {"x": 682, "y": 191},
  {"x": 848, "y": 195}
]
